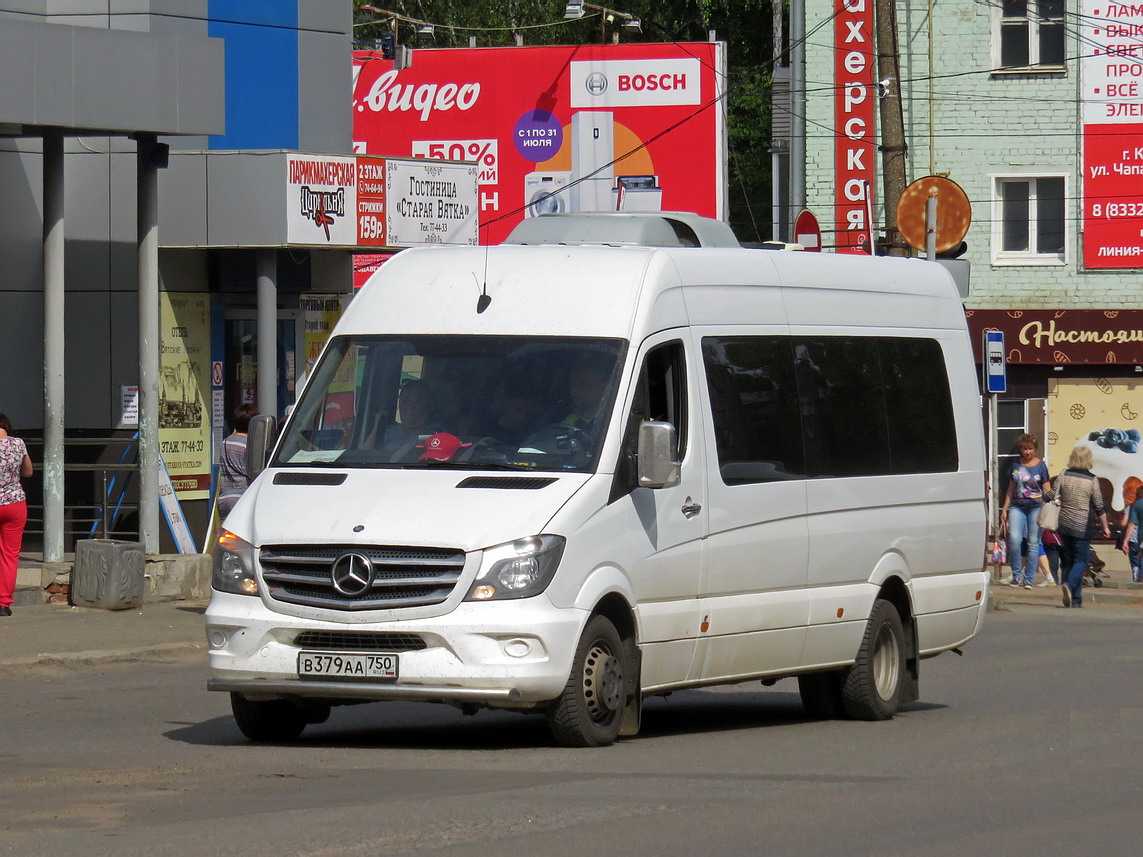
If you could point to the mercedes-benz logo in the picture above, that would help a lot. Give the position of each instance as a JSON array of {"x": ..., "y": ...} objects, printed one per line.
[
  {"x": 352, "y": 574},
  {"x": 596, "y": 83}
]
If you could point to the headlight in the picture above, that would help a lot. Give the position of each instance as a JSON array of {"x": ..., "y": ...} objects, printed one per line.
[
  {"x": 517, "y": 569},
  {"x": 234, "y": 565}
]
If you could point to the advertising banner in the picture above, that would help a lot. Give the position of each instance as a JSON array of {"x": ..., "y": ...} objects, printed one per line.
[
  {"x": 557, "y": 129},
  {"x": 319, "y": 315},
  {"x": 853, "y": 125},
  {"x": 1058, "y": 337},
  {"x": 334, "y": 201},
  {"x": 184, "y": 389},
  {"x": 1111, "y": 68},
  {"x": 1102, "y": 414}
]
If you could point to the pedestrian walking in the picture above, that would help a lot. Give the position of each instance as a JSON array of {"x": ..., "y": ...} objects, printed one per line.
[
  {"x": 232, "y": 477},
  {"x": 14, "y": 466},
  {"x": 1028, "y": 480},
  {"x": 1081, "y": 508},
  {"x": 1133, "y": 516}
]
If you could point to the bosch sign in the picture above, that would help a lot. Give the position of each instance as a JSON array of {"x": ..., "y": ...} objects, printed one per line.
[{"x": 635, "y": 83}]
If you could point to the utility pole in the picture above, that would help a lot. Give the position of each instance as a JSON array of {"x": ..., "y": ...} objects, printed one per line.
[{"x": 893, "y": 148}]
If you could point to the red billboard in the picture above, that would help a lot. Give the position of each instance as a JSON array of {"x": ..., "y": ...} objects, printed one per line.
[
  {"x": 1111, "y": 66},
  {"x": 557, "y": 129},
  {"x": 853, "y": 125}
]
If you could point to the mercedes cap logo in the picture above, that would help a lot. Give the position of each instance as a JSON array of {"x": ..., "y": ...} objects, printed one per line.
[
  {"x": 596, "y": 83},
  {"x": 352, "y": 574}
]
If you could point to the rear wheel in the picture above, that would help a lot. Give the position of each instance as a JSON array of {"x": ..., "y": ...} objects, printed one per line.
[
  {"x": 589, "y": 712},
  {"x": 872, "y": 686},
  {"x": 271, "y": 720},
  {"x": 821, "y": 694}
]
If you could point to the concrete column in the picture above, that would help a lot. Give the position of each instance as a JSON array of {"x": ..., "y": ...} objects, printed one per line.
[
  {"x": 53, "y": 465},
  {"x": 147, "y": 206},
  {"x": 267, "y": 272}
]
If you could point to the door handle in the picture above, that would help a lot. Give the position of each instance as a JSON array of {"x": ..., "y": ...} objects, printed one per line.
[{"x": 691, "y": 508}]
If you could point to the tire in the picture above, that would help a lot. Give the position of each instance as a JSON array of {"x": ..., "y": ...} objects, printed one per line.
[
  {"x": 589, "y": 712},
  {"x": 271, "y": 721},
  {"x": 872, "y": 686},
  {"x": 821, "y": 695}
]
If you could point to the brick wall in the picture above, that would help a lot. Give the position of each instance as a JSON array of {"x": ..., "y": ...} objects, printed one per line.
[{"x": 983, "y": 124}]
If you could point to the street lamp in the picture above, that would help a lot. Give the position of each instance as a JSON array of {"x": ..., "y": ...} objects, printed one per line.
[{"x": 576, "y": 9}]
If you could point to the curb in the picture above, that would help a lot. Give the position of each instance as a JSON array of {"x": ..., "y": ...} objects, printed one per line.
[{"x": 96, "y": 657}]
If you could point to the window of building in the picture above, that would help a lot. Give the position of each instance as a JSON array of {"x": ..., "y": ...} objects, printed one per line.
[
  {"x": 1028, "y": 225},
  {"x": 1028, "y": 34}
]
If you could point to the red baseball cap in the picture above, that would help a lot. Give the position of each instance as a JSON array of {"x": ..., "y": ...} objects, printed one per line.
[{"x": 441, "y": 446}]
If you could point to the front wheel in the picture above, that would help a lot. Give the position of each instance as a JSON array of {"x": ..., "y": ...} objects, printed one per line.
[
  {"x": 589, "y": 712},
  {"x": 872, "y": 687},
  {"x": 269, "y": 721}
]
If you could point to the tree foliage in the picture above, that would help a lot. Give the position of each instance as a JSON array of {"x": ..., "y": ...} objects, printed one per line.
[{"x": 745, "y": 26}]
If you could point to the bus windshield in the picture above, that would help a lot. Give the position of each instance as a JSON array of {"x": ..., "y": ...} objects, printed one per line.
[{"x": 464, "y": 402}]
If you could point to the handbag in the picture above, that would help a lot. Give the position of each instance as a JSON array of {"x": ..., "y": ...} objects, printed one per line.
[{"x": 1049, "y": 517}]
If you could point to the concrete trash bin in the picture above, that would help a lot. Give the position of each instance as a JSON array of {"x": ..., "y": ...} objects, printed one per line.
[{"x": 108, "y": 573}]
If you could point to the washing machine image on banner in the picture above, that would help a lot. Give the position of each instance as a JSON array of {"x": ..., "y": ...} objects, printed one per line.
[{"x": 542, "y": 193}]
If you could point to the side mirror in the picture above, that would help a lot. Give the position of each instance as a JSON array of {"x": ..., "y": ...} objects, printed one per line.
[
  {"x": 657, "y": 467},
  {"x": 260, "y": 436}
]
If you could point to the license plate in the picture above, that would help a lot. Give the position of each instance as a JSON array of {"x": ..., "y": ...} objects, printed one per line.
[{"x": 370, "y": 666}]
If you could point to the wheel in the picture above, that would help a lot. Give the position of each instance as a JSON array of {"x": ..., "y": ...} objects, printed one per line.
[
  {"x": 273, "y": 720},
  {"x": 872, "y": 686},
  {"x": 589, "y": 712},
  {"x": 1097, "y": 581},
  {"x": 821, "y": 694}
]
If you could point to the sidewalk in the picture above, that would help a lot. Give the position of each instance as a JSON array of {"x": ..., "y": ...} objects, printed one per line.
[
  {"x": 42, "y": 633},
  {"x": 39, "y": 634},
  {"x": 1117, "y": 587}
]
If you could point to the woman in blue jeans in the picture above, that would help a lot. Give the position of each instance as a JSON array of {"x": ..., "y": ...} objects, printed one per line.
[
  {"x": 1028, "y": 480},
  {"x": 1081, "y": 507}
]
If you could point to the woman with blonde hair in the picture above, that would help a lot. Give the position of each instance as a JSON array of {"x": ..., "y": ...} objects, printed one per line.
[{"x": 1081, "y": 505}]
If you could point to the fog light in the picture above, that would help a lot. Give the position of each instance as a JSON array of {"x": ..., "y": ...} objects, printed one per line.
[
  {"x": 216, "y": 637},
  {"x": 517, "y": 648},
  {"x": 482, "y": 592},
  {"x": 249, "y": 585}
]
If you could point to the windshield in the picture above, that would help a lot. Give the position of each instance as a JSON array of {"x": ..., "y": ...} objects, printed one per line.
[{"x": 466, "y": 402}]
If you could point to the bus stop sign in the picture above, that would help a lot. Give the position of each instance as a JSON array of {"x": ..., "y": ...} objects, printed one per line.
[{"x": 995, "y": 377}]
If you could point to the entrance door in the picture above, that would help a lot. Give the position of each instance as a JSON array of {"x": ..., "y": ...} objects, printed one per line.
[{"x": 241, "y": 366}]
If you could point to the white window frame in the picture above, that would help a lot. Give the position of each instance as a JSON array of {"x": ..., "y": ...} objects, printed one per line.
[
  {"x": 1026, "y": 257},
  {"x": 1033, "y": 20}
]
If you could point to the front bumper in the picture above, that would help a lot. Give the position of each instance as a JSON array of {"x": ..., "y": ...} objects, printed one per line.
[{"x": 505, "y": 654}]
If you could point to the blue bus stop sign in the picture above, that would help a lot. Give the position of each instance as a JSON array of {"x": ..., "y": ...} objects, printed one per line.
[{"x": 995, "y": 368}]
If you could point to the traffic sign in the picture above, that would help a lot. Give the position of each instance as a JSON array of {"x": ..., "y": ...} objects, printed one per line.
[
  {"x": 995, "y": 367},
  {"x": 807, "y": 232}
]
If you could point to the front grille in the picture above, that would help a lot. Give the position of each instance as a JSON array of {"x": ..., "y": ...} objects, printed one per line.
[
  {"x": 359, "y": 641},
  {"x": 402, "y": 576}
]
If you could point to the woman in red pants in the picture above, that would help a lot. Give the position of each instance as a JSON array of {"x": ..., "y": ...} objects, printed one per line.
[{"x": 14, "y": 464}]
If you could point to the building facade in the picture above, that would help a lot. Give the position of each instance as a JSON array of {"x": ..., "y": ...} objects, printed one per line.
[
  {"x": 173, "y": 91},
  {"x": 1027, "y": 106}
]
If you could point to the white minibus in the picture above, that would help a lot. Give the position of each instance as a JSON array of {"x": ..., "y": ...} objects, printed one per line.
[{"x": 616, "y": 457}]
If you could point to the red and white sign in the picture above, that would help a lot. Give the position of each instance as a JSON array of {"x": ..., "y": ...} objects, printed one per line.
[
  {"x": 1112, "y": 85},
  {"x": 551, "y": 129},
  {"x": 807, "y": 231},
  {"x": 335, "y": 201},
  {"x": 853, "y": 124}
]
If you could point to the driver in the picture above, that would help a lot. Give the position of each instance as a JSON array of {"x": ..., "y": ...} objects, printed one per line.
[
  {"x": 587, "y": 384},
  {"x": 415, "y": 412}
]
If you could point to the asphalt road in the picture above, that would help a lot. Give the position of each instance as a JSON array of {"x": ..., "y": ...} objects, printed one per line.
[{"x": 1031, "y": 744}]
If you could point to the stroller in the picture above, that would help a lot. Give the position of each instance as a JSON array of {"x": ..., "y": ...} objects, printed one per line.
[{"x": 1094, "y": 573}]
